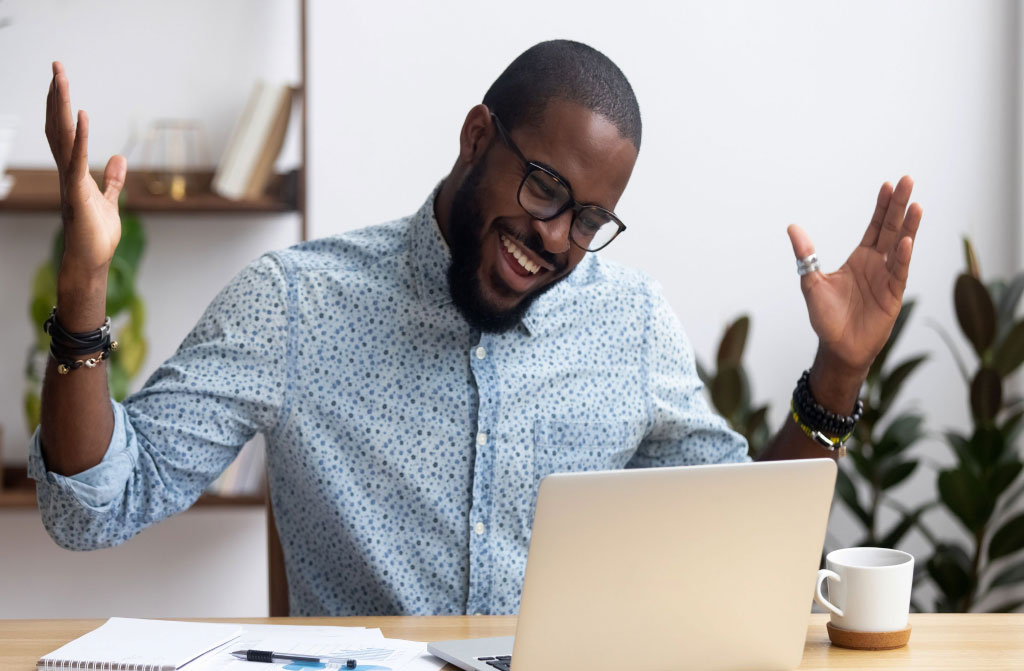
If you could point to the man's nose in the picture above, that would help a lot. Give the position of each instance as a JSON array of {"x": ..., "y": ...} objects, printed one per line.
[{"x": 554, "y": 233}]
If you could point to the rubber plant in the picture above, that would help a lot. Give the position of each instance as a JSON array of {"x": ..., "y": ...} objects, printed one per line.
[
  {"x": 879, "y": 460},
  {"x": 981, "y": 490},
  {"x": 124, "y": 305},
  {"x": 730, "y": 391}
]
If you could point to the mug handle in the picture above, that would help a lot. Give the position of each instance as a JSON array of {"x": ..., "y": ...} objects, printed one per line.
[{"x": 822, "y": 601}]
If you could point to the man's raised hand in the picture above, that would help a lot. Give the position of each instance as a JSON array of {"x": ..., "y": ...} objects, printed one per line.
[{"x": 92, "y": 226}]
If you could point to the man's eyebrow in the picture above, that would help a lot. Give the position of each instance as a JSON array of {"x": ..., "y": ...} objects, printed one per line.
[{"x": 554, "y": 172}]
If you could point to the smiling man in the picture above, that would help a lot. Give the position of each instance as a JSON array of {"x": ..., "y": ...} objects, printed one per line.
[{"x": 416, "y": 380}]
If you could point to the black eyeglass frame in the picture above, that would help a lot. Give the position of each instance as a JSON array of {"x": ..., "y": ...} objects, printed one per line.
[{"x": 570, "y": 203}]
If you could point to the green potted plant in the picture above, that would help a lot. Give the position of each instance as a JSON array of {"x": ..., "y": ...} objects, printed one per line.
[{"x": 982, "y": 488}]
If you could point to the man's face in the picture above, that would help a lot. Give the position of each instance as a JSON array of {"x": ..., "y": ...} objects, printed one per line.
[{"x": 488, "y": 228}]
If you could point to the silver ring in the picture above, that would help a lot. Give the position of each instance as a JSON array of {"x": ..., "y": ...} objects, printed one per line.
[{"x": 808, "y": 264}]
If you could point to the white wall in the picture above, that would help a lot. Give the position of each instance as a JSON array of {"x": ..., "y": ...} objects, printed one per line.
[{"x": 756, "y": 115}]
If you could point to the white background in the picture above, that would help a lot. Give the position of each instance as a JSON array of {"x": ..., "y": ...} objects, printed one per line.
[{"x": 756, "y": 115}]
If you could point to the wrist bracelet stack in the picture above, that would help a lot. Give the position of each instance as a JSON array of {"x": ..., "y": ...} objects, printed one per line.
[
  {"x": 66, "y": 347},
  {"x": 823, "y": 426}
]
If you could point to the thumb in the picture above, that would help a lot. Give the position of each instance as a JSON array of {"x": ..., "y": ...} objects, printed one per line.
[
  {"x": 802, "y": 248},
  {"x": 114, "y": 176}
]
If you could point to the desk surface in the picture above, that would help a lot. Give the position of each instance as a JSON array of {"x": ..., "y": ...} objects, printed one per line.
[{"x": 975, "y": 641}]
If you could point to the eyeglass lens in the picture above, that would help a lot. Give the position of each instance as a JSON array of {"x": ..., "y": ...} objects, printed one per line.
[{"x": 542, "y": 195}]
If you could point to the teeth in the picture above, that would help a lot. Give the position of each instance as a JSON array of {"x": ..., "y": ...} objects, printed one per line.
[{"x": 517, "y": 252}]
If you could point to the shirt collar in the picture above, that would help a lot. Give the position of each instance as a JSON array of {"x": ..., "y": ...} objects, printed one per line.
[
  {"x": 431, "y": 258},
  {"x": 430, "y": 255}
]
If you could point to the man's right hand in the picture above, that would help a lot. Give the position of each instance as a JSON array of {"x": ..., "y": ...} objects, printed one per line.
[{"x": 92, "y": 226}]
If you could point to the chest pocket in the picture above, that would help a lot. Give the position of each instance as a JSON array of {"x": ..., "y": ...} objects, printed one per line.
[{"x": 571, "y": 447}]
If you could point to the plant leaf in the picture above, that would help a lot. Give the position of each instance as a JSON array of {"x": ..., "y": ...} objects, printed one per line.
[
  {"x": 1008, "y": 539},
  {"x": 961, "y": 446},
  {"x": 727, "y": 391},
  {"x": 1009, "y": 607},
  {"x": 948, "y": 340},
  {"x": 730, "y": 350},
  {"x": 894, "y": 381},
  {"x": 863, "y": 466},
  {"x": 1008, "y": 576},
  {"x": 133, "y": 240},
  {"x": 950, "y": 568},
  {"x": 897, "y": 473},
  {"x": 897, "y": 328},
  {"x": 848, "y": 494},
  {"x": 971, "y": 259},
  {"x": 986, "y": 394},
  {"x": 965, "y": 497},
  {"x": 1003, "y": 476},
  {"x": 975, "y": 312},
  {"x": 901, "y": 433},
  {"x": 1010, "y": 353},
  {"x": 987, "y": 447}
]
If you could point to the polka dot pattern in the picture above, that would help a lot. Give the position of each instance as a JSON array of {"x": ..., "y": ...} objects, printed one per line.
[{"x": 404, "y": 447}]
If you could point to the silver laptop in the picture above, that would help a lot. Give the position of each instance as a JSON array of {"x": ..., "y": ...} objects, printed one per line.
[{"x": 699, "y": 567}]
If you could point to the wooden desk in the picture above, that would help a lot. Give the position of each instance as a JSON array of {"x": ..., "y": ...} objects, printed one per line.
[{"x": 978, "y": 642}]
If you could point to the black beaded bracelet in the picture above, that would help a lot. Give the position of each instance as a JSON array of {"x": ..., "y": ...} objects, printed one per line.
[{"x": 817, "y": 417}]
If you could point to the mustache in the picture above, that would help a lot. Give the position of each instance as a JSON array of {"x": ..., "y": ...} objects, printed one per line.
[{"x": 535, "y": 244}]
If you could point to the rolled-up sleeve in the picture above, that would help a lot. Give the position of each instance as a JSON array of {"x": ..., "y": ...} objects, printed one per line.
[
  {"x": 683, "y": 429},
  {"x": 173, "y": 437}
]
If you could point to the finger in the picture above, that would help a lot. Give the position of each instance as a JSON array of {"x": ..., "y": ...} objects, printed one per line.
[
  {"x": 871, "y": 235},
  {"x": 64, "y": 124},
  {"x": 894, "y": 214},
  {"x": 113, "y": 177},
  {"x": 802, "y": 248},
  {"x": 79, "y": 162},
  {"x": 901, "y": 268},
  {"x": 910, "y": 226}
]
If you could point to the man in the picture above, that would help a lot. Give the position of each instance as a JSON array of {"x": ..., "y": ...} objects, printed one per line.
[{"x": 416, "y": 380}]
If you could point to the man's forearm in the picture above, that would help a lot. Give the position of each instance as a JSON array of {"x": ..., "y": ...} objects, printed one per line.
[
  {"x": 834, "y": 388},
  {"x": 76, "y": 420}
]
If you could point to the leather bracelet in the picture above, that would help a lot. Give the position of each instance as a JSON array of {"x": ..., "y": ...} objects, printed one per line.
[{"x": 66, "y": 347}]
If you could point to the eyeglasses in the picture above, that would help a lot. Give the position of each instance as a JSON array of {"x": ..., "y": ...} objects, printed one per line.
[{"x": 545, "y": 195}]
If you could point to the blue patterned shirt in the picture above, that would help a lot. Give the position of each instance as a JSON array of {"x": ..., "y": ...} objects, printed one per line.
[{"x": 404, "y": 448}]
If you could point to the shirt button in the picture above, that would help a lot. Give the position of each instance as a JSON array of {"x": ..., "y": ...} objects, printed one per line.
[
  {"x": 479, "y": 528},
  {"x": 481, "y": 439},
  {"x": 481, "y": 352}
]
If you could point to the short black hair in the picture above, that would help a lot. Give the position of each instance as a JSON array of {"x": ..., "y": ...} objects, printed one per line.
[{"x": 564, "y": 70}]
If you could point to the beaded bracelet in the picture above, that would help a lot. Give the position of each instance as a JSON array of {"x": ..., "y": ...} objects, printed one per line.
[{"x": 823, "y": 426}]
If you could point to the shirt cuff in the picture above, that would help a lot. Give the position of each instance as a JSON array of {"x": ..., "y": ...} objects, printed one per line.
[{"x": 94, "y": 487}]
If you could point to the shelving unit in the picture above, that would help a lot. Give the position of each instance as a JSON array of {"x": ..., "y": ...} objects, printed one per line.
[{"x": 38, "y": 191}]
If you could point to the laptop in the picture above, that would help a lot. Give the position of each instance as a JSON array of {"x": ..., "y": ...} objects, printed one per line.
[{"x": 697, "y": 567}]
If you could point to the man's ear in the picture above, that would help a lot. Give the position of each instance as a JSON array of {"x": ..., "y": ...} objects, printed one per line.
[{"x": 476, "y": 134}]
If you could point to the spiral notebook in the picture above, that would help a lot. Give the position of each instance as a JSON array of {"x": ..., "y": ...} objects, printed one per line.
[{"x": 140, "y": 645}]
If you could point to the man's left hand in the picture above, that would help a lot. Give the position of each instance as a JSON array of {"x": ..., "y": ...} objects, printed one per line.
[{"x": 854, "y": 308}]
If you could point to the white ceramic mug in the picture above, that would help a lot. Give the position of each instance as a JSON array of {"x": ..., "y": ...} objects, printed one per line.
[{"x": 868, "y": 588}]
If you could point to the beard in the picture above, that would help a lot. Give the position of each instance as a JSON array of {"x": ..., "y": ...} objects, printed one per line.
[{"x": 466, "y": 227}]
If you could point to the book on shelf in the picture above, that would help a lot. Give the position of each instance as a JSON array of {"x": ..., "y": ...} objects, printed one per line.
[{"x": 248, "y": 160}]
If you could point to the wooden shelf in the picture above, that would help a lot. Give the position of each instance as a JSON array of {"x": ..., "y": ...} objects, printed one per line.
[{"x": 38, "y": 191}]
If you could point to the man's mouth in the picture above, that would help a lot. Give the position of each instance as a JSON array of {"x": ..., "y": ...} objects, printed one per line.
[{"x": 520, "y": 269}]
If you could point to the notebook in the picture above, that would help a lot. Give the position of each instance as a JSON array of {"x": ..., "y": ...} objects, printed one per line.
[{"x": 140, "y": 645}]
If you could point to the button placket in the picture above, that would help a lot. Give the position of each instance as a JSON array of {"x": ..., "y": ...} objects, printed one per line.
[{"x": 481, "y": 363}]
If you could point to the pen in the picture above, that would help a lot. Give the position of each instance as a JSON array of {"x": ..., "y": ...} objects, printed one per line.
[{"x": 268, "y": 656}]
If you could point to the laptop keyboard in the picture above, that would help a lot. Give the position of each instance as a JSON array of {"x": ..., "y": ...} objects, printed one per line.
[{"x": 501, "y": 662}]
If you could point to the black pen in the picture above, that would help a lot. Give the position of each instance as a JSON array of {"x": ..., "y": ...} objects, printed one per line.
[{"x": 268, "y": 656}]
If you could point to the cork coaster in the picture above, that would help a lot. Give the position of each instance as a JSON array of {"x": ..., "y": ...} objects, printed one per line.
[{"x": 867, "y": 640}]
